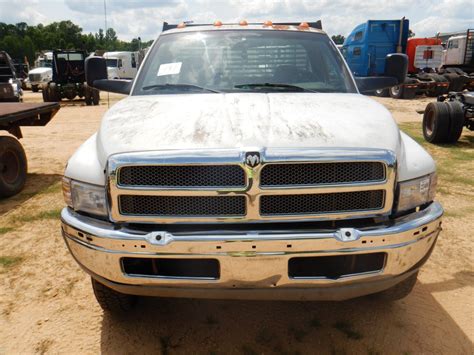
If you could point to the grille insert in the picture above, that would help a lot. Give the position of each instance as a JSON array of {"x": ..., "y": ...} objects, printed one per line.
[
  {"x": 321, "y": 173},
  {"x": 321, "y": 203},
  {"x": 182, "y": 176},
  {"x": 182, "y": 206}
]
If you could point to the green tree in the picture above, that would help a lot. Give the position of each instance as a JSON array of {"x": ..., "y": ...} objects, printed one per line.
[{"x": 338, "y": 39}]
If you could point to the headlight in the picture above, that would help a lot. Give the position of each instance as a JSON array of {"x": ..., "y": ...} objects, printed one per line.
[
  {"x": 85, "y": 197},
  {"x": 416, "y": 192}
]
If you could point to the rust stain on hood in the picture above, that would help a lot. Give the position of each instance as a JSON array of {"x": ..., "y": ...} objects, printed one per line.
[{"x": 191, "y": 121}]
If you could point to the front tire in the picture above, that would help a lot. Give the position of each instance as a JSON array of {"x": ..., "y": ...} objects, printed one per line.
[
  {"x": 382, "y": 93},
  {"x": 13, "y": 166},
  {"x": 112, "y": 301},
  {"x": 402, "y": 92},
  {"x": 400, "y": 290},
  {"x": 95, "y": 96}
]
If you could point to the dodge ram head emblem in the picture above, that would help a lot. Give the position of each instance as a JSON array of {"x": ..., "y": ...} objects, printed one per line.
[{"x": 252, "y": 159}]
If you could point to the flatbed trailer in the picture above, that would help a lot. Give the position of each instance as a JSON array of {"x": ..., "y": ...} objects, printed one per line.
[{"x": 13, "y": 162}]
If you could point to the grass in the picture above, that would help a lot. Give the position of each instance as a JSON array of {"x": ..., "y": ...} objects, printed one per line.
[
  {"x": 298, "y": 333},
  {"x": 5, "y": 230},
  {"x": 10, "y": 261},
  {"x": 455, "y": 162},
  {"x": 43, "y": 346},
  {"x": 347, "y": 329},
  {"x": 43, "y": 215},
  {"x": 57, "y": 187}
]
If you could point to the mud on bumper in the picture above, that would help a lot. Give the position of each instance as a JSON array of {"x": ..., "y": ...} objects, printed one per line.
[{"x": 320, "y": 265}]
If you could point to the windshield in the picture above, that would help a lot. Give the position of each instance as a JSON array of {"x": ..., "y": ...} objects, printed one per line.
[
  {"x": 243, "y": 60},
  {"x": 45, "y": 63},
  {"x": 111, "y": 63}
]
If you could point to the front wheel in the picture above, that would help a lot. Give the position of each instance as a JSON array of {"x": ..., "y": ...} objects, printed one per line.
[
  {"x": 13, "y": 166},
  {"x": 112, "y": 301},
  {"x": 382, "y": 93},
  {"x": 402, "y": 92},
  {"x": 95, "y": 96},
  {"x": 400, "y": 290}
]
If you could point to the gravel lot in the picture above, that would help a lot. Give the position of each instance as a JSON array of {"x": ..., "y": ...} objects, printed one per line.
[{"x": 47, "y": 305}]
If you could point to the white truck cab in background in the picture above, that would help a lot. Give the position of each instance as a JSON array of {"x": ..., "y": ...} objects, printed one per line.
[
  {"x": 121, "y": 65},
  {"x": 42, "y": 73},
  {"x": 455, "y": 50}
]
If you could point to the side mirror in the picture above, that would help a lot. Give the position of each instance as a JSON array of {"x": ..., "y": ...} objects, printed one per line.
[
  {"x": 96, "y": 69},
  {"x": 396, "y": 66},
  {"x": 96, "y": 77}
]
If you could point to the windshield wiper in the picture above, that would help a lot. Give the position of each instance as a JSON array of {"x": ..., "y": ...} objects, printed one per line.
[
  {"x": 178, "y": 86},
  {"x": 270, "y": 85}
]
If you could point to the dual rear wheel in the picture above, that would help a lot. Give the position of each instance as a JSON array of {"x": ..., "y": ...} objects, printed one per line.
[{"x": 443, "y": 122}]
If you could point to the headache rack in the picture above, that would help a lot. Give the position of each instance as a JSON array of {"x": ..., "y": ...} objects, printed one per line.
[{"x": 317, "y": 24}]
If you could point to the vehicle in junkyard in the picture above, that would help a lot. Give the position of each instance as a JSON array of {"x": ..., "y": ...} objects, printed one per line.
[
  {"x": 444, "y": 120},
  {"x": 367, "y": 45},
  {"x": 13, "y": 162},
  {"x": 10, "y": 85},
  {"x": 246, "y": 164},
  {"x": 68, "y": 80}
]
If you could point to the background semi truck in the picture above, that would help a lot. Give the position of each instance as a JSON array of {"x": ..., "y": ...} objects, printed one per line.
[
  {"x": 121, "y": 65},
  {"x": 368, "y": 44}
]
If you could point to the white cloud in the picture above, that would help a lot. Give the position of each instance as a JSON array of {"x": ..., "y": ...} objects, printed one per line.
[{"x": 144, "y": 18}]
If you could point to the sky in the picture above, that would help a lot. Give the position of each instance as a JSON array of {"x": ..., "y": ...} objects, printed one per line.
[{"x": 144, "y": 18}]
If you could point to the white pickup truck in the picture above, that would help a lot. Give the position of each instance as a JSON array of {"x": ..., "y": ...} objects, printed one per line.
[{"x": 246, "y": 164}]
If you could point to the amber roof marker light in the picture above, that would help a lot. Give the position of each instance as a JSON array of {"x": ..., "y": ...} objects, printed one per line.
[
  {"x": 243, "y": 23},
  {"x": 218, "y": 23},
  {"x": 304, "y": 25},
  {"x": 181, "y": 25},
  {"x": 268, "y": 23}
]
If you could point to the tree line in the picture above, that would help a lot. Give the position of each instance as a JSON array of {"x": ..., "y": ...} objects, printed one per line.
[{"x": 22, "y": 41}]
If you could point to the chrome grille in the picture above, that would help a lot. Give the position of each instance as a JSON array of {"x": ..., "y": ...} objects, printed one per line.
[
  {"x": 34, "y": 77},
  {"x": 217, "y": 186},
  {"x": 182, "y": 176},
  {"x": 182, "y": 206},
  {"x": 321, "y": 173},
  {"x": 321, "y": 203}
]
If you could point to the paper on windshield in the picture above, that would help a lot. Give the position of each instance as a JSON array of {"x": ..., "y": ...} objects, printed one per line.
[{"x": 169, "y": 69}]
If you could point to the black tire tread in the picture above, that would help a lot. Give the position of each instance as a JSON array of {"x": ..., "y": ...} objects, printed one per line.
[
  {"x": 112, "y": 301},
  {"x": 7, "y": 190},
  {"x": 400, "y": 290},
  {"x": 442, "y": 125},
  {"x": 456, "y": 120}
]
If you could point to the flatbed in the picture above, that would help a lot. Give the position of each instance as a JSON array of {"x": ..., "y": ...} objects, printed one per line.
[{"x": 13, "y": 163}]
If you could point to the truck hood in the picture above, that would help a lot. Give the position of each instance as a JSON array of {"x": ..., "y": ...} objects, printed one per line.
[
  {"x": 41, "y": 70},
  {"x": 236, "y": 120}
]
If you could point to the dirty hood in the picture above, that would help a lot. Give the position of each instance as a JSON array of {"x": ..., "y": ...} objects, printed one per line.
[{"x": 192, "y": 121}]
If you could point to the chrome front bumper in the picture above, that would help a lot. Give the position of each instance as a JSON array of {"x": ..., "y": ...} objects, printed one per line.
[{"x": 253, "y": 265}]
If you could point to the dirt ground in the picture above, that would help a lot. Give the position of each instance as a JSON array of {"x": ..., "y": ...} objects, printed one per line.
[{"x": 47, "y": 305}]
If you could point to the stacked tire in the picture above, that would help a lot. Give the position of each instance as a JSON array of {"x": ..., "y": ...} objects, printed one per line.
[{"x": 443, "y": 122}]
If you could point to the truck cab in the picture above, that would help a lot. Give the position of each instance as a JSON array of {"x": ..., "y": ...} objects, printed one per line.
[
  {"x": 121, "y": 65},
  {"x": 245, "y": 164}
]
